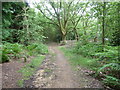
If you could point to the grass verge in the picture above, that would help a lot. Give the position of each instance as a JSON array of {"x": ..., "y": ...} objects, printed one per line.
[
  {"x": 79, "y": 60},
  {"x": 30, "y": 68}
]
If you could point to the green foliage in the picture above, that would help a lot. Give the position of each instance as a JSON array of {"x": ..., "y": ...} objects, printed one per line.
[
  {"x": 21, "y": 23},
  {"x": 112, "y": 81},
  {"x": 10, "y": 50},
  {"x": 37, "y": 48},
  {"x": 112, "y": 69},
  {"x": 31, "y": 47},
  {"x": 7, "y": 35},
  {"x": 5, "y": 58},
  {"x": 104, "y": 61},
  {"x": 116, "y": 38},
  {"x": 76, "y": 59},
  {"x": 96, "y": 50},
  {"x": 113, "y": 66},
  {"x": 42, "y": 49},
  {"x": 29, "y": 69},
  {"x": 16, "y": 50},
  {"x": 32, "y": 28},
  {"x": 11, "y": 19},
  {"x": 20, "y": 83}
]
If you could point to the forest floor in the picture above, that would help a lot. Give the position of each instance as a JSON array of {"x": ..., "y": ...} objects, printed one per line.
[
  {"x": 10, "y": 74},
  {"x": 56, "y": 72}
]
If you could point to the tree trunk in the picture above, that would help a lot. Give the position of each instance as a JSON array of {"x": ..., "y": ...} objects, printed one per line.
[
  {"x": 95, "y": 39},
  {"x": 76, "y": 35},
  {"x": 64, "y": 38},
  {"x": 103, "y": 25},
  {"x": 64, "y": 33}
]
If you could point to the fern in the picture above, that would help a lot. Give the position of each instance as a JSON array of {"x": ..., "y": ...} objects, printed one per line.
[
  {"x": 11, "y": 50},
  {"x": 112, "y": 66},
  {"x": 112, "y": 81},
  {"x": 111, "y": 69}
]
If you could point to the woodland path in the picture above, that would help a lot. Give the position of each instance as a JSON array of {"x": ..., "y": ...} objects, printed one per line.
[
  {"x": 65, "y": 77},
  {"x": 56, "y": 72}
]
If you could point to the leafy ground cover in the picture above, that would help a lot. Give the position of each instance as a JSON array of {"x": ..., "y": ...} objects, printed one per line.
[
  {"x": 10, "y": 51},
  {"x": 30, "y": 68},
  {"x": 22, "y": 54},
  {"x": 103, "y": 61}
]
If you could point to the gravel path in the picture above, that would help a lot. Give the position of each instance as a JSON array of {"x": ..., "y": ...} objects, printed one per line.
[
  {"x": 65, "y": 77},
  {"x": 56, "y": 72}
]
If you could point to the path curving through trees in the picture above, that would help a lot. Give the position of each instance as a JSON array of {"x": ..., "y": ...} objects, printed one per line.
[
  {"x": 60, "y": 74},
  {"x": 65, "y": 76}
]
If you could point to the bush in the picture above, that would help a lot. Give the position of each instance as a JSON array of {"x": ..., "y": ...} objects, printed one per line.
[
  {"x": 88, "y": 49},
  {"x": 5, "y": 58},
  {"x": 112, "y": 69},
  {"x": 42, "y": 49},
  {"x": 31, "y": 46},
  {"x": 95, "y": 50},
  {"x": 17, "y": 50},
  {"x": 107, "y": 57},
  {"x": 10, "y": 50},
  {"x": 37, "y": 48},
  {"x": 112, "y": 82}
]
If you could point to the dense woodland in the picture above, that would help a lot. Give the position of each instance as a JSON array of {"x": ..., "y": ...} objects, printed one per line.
[{"x": 95, "y": 26}]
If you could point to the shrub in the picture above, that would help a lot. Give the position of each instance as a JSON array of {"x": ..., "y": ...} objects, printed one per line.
[
  {"x": 37, "y": 48},
  {"x": 10, "y": 50},
  {"x": 110, "y": 74},
  {"x": 16, "y": 50},
  {"x": 31, "y": 46},
  {"x": 110, "y": 69},
  {"x": 5, "y": 58},
  {"x": 42, "y": 49},
  {"x": 112, "y": 82},
  {"x": 95, "y": 50},
  {"x": 106, "y": 63}
]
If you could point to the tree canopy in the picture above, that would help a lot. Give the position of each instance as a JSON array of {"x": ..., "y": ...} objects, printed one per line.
[{"x": 93, "y": 27}]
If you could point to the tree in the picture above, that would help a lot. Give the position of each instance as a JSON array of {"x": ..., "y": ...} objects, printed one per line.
[
  {"x": 32, "y": 28},
  {"x": 61, "y": 14},
  {"x": 77, "y": 15},
  {"x": 10, "y": 22},
  {"x": 103, "y": 23}
]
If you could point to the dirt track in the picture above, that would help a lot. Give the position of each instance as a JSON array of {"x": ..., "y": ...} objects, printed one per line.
[
  {"x": 65, "y": 77},
  {"x": 61, "y": 75},
  {"x": 10, "y": 74},
  {"x": 54, "y": 72}
]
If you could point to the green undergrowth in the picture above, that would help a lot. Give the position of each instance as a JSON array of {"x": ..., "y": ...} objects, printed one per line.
[
  {"x": 103, "y": 60},
  {"x": 76, "y": 59},
  {"x": 30, "y": 68},
  {"x": 16, "y": 51}
]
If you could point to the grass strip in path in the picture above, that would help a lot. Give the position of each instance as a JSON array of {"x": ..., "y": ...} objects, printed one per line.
[{"x": 29, "y": 69}]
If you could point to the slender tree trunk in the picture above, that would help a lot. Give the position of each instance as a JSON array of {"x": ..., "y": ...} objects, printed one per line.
[
  {"x": 76, "y": 34},
  {"x": 77, "y": 37},
  {"x": 25, "y": 27},
  {"x": 103, "y": 32},
  {"x": 103, "y": 24}
]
